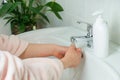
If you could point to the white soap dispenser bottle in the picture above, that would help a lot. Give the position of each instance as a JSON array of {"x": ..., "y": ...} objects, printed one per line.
[{"x": 100, "y": 36}]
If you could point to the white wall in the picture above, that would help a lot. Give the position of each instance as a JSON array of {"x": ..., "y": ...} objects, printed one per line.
[
  {"x": 4, "y": 29},
  {"x": 1, "y": 1},
  {"x": 77, "y": 10}
]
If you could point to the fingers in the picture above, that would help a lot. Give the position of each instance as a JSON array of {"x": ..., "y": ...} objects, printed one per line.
[
  {"x": 79, "y": 51},
  {"x": 60, "y": 51},
  {"x": 72, "y": 58},
  {"x": 73, "y": 46},
  {"x": 63, "y": 49}
]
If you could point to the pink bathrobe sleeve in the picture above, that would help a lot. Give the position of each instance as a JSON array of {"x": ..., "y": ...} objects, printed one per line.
[
  {"x": 12, "y": 44},
  {"x": 13, "y": 68}
]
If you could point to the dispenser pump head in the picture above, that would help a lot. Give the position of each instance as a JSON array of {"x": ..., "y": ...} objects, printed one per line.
[
  {"x": 97, "y": 13},
  {"x": 99, "y": 16}
]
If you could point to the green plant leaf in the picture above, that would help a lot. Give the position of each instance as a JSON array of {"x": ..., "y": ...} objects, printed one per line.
[
  {"x": 9, "y": 18},
  {"x": 58, "y": 15},
  {"x": 13, "y": 6},
  {"x": 36, "y": 9},
  {"x": 54, "y": 6},
  {"x": 21, "y": 27},
  {"x": 4, "y": 9},
  {"x": 45, "y": 17},
  {"x": 31, "y": 3}
]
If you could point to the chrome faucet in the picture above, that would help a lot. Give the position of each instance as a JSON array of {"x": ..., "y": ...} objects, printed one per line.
[{"x": 87, "y": 38}]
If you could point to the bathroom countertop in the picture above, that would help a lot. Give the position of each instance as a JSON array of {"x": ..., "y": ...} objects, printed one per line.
[
  {"x": 114, "y": 57},
  {"x": 62, "y": 36}
]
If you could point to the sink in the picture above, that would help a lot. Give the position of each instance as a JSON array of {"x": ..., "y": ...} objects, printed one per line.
[{"x": 91, "y": 67}]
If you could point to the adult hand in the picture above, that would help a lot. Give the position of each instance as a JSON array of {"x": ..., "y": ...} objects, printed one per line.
[
  {"x": 72, "y": 57},
  {"x": 59, "y": 51}
]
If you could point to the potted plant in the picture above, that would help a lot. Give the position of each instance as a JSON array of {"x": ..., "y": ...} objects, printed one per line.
[{"x": 23, "y": 15}]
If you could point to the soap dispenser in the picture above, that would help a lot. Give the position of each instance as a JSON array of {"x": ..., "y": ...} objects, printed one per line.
[{"x": 100, "y": 36}]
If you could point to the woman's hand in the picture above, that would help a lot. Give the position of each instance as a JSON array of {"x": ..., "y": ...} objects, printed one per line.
[
  {"x": 59, "y": 51},
  {"x": 72, "y": 57}
]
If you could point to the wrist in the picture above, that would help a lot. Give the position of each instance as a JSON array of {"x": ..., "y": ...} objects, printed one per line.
[
  {"x": 54, "y": 50},
  {"x": 51, "y": 49},
  {"x": 64, "y": 63}
]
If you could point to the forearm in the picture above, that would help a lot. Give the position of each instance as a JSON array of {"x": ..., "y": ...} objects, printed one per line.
[{"x": 38, "y": 50}]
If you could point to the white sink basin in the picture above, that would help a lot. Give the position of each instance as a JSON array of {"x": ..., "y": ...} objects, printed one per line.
[{"x": 91, "y": 67}]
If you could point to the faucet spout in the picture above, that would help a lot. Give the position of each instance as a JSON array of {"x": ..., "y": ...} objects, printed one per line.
[{"x": 87, "y": 38}]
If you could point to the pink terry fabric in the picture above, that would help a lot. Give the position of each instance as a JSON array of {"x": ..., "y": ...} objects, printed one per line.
[
  {"x": 13, "y": 68},
  {"x": 12, "y": 44}
]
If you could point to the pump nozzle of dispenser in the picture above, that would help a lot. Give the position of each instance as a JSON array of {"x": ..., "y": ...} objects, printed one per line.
[{"x": 100, "y": 12}]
